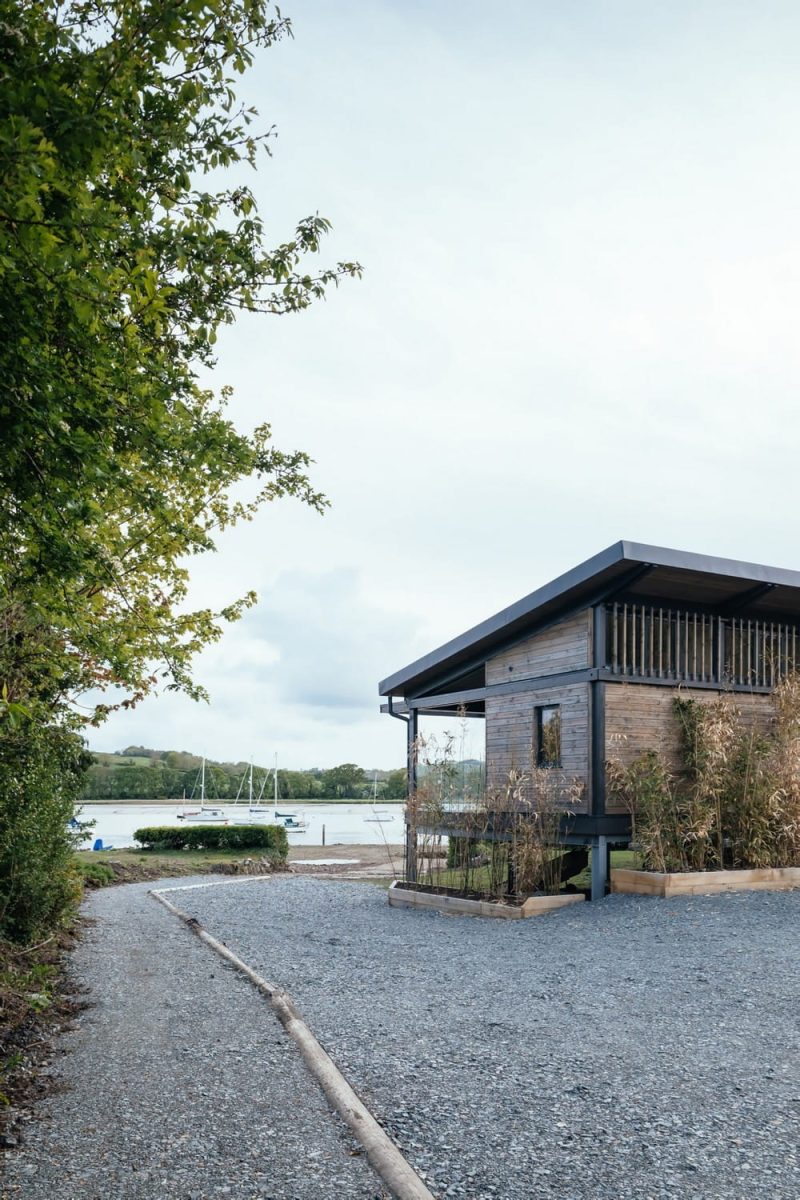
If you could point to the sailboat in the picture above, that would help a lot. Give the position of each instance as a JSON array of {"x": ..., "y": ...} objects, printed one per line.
[
  {"x": 378, "y": 814},
  {"x": 289, "y": 820},
  {"x": 258, "y": 807},
  {"x": 204, "y": 814}
]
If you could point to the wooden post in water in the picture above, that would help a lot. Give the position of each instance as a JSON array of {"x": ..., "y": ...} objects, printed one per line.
[{"x": 323, "y": 835}]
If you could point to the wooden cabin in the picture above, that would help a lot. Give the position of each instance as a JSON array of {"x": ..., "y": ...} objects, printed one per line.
[{"x": 585, "y": 669}]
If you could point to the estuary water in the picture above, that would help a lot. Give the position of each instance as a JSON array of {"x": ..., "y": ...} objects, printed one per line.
[{"x": 343, "y": 823}]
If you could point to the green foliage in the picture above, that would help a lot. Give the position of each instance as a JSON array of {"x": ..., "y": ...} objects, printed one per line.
[
  {"x": 119, "y": 262},
  {"x": 460, "y": 850},
  {"x": 396, "y": 785},
  {"x": 345, "y": 782},
  {"x": 525, "y": 811},
  {"x": 122, "y": 254},
  {"x": 735, "y": 803},
  {"x": 40, "y": 777},
  {"x": 647, "y": 789},
  {"x": 94, "y": 874},
  {"x": 272, "y": 838}
]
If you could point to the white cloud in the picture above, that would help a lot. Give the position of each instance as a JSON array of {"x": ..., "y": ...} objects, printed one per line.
[{"x": 578, "y": 323}]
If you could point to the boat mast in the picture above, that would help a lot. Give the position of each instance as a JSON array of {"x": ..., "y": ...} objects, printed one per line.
[
  {"x": 251, "y": 781},
  {"x": 276, "y": 777},
  {"x": 203, "y": 782}
]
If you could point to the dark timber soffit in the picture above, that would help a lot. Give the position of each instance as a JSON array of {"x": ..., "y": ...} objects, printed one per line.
[{"x": 675, "y": 576}]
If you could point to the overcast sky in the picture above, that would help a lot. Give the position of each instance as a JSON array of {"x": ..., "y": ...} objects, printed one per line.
[{"x": 578, "y": 323}]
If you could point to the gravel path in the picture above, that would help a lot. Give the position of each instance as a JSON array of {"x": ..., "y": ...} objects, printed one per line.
[
  {"x": 181, "y": 1084},
  {"x": 634, "y": 1048}
]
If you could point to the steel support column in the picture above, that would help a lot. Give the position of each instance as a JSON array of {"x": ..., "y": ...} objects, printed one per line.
[
  {"x": 412, "y": 731},
  {"x": 599, "y": 868},
  {"x": 597, "y": 766}
]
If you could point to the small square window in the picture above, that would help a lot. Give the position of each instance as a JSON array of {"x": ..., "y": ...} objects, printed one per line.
[{"x": 548, "y": 736}]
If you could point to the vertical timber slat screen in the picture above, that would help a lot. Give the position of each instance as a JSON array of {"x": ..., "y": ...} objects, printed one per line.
[{"x": 664, "y": 643}]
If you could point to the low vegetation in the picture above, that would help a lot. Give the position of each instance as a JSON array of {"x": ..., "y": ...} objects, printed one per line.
[
  {"x": 525, "y": 811},
  {"x": 734, "y": 802},
  {"x": 32, "y": 1007},
  {"x": 270, "y": 838}
]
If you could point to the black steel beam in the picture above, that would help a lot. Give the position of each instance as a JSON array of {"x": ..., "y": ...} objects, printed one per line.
[
  {"x": 623, "y": 584},
  {"x": 597, "y": 750},
  {"x": 744, "y": 600},
  {"x": 709, "y": 686},
  {"x": 574, "y": 828},
  {"x": 509, "y": 688},
  {"x": 412, "y": 731}
]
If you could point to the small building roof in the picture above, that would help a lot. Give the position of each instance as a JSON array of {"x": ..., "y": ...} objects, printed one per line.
[{"x": 654, "y": 574}]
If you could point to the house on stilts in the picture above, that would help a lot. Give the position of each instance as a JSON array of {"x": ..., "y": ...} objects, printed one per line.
[{"x": 585, "y": 669}]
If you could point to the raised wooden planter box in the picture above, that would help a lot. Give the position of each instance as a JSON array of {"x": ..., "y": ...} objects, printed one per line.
[
  {"x": 696, "y": 883},
  {"x": 535, "y": 906}
]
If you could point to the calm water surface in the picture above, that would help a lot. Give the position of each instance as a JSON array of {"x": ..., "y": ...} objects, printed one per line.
[{"x": 344, "y": 823}]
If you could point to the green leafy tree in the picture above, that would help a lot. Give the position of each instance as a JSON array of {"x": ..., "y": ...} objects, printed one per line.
[
  {"x": 395, "y": 786},
  {"x": 345, "y": 782},
  {"x": 121, "y": 257},
  {"x": 298, "y": 785}
]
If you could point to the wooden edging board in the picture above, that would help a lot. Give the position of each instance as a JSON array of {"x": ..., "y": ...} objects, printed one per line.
[
  {"x": 696, "y": 883},
  {"x": 534, "y": 906}
]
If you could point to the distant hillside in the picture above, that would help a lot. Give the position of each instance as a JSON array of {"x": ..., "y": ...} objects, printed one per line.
[{"x": 139, "y": 773}]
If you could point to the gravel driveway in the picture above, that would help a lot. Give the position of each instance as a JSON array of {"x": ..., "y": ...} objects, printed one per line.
[
  {"x": 181, "y": 1084},
  {"x": 634, "y": 1048}
]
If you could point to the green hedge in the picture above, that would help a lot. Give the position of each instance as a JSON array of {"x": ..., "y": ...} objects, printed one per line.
[{"x": 216, "y": 837}]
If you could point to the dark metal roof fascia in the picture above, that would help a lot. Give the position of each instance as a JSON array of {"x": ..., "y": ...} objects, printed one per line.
[
  {"x": 494, "y": 625},
  {"x": 622, "y": 551},
  {"x": 706, "y": 564}
]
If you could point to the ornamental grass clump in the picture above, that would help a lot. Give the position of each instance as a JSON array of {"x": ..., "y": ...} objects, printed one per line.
[
  {"x": 735, "y": 800},
  {"x": 508, "y": 841}
]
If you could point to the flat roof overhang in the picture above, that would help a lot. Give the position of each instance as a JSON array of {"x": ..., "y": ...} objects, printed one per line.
[{"x": 653, "y": 574}]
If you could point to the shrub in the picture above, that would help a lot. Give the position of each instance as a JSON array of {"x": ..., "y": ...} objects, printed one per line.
[
  {"x": 272, "y": 838},
  {"x": 41, "y": 774}
]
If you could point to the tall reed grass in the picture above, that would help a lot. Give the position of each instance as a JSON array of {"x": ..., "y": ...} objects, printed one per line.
[
  {"x": 505, "y": 841},
  {"x": 734, "y": 801}
]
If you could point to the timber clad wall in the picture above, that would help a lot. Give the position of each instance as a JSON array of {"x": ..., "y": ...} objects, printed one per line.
[
  {"x": 564, "y": 647},
  {"x": 510, "y": 719},
  {"x": 509, "y": 738},
  {"x": 641, "y": 718}
]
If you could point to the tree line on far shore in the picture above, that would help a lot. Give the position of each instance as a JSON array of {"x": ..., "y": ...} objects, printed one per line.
[{"x": 138, "y": 773}]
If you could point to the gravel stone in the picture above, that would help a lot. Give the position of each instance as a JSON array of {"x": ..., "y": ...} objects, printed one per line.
[
  {"x": 180, "y": 1082},
  {"x": 633, "y": 1049}
]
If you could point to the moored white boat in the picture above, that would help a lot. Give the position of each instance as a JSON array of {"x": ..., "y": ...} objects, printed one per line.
[
  {"x": 204, "y": 814},
  {"x": 378, "y": 814}
]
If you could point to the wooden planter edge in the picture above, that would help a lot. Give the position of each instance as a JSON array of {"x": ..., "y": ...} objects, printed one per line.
[
  {"x": 698, "y": 883},
  {"x": 534, "y": 906}
]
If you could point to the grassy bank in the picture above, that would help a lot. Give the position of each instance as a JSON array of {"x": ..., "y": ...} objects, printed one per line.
[{"x": 102, "y": 867}]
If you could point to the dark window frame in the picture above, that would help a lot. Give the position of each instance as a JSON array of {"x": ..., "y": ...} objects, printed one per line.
[{"x": 541, "y": 761}]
